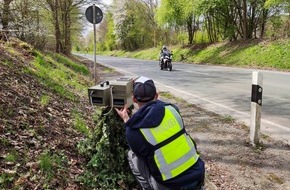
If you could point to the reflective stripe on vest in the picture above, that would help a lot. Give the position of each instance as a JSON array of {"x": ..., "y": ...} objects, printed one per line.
[{"x": 176, "y": 156}]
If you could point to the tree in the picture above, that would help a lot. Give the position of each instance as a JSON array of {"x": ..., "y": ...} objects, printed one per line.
[
  {"x": 282, "y": 8},
  {"x": 54, "y": 11},
  {"x": 109, "y": 40},
  {"x": 26, "y": 21},
  {"x": 5, "y": 14},
  {"x": 180, "y": 14},
  {"x": 64, "y": 14},
  {"x": 5, "y": 17},
  {"x": 130, "y": 19},
  {"x": 234, "y": 19}
]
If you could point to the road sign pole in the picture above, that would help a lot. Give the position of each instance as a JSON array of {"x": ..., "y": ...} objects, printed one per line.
[
  {"x": 95, "y": 42},
  {"x": 94, "y": 15},
  {"x": 256, "y": 107}
]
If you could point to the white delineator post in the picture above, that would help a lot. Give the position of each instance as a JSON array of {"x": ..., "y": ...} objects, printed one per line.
[{"x": 256, "y": 107}]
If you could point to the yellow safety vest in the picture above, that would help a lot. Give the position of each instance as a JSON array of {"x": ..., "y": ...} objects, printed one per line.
[{"x": 174, "y": 150}]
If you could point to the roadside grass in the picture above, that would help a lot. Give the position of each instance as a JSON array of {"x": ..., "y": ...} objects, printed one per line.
[
  {"x": 78, "y": 68},
  {"x": 44, "y": 100},
  {"x": 51, "y": 163},
  {"x": 12, "y": 156},
  {"x": 201, "y": 126},
  {"x": 79, "y": 123},
  {"x": 11, "y": 50},
  {"x": 245, "y": 127},
  {"x": 227, "y": 119},
  {"x": 275, "y": 178},
  {"x": 170, "y": 96},
  {"x": 65, "y": 77},
  {"x": 4, "y": 142},
  {"x": 108, "y": 70},
  {"x": 265, "y": 136},
  {"x": 252, "y": 53},
  {"x": 10, "y": 172},
  {"x": 6, "y": 179},
  {"x": 46, "y": 162},
  {"x": 6, "y": 111},
  {"x": 7, "y": 62}
]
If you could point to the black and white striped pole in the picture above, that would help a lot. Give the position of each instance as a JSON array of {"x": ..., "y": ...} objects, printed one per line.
[{"x": 256, "y": 107}]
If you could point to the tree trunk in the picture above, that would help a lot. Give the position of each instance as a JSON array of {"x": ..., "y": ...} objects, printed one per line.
[
  {"x": 190, "y": 30},
  {"x": 263, "y": 22},
  {"x": 210, "y": 28},
  {"x": 233, "y": 24},
  {"x": 252, "y": 24},
  {"x": 58, "y": 45},
  {"x": 62, "y": 11},
  {"x": 5, "y": 19},
  {"x": 54, "y": 6},
  {"x": 66, "y": 28},
  {"x": 214, "y": 28},
  {"x": 288, "y": 26},
  {"x": 6, "y": 14},
  {"x": 245, "y": 20}
]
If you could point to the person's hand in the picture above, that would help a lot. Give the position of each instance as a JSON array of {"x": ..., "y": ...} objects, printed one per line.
[{"x": 123, "y": 113}]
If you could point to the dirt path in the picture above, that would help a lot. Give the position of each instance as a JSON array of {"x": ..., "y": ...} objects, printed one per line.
[{"x": 231, "y": 163}]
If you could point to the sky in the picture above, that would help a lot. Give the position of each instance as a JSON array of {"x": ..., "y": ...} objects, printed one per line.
[
  {"x": 108, "y": 2},
  {"x": 88, "y": 26}
]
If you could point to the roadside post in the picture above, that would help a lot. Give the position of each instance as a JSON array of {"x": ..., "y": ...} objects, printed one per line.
[
  {"x": 256, "y": 107},
  {"x": 94, "y": 15}
]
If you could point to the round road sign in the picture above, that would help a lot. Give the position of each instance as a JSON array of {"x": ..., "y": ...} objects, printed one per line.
[{"x": 90, "y": 14}]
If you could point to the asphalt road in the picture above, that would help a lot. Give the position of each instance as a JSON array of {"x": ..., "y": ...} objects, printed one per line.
[{"x": 224, "y": 90}]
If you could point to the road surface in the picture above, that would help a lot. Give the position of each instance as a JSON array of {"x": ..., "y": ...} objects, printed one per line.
[{"x": 224, "y": 90}]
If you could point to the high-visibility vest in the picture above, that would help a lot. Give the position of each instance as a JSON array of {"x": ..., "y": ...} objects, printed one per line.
[{"x": 174, "y": 149}]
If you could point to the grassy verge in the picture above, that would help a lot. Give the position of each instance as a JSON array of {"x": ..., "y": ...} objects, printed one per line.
[{"x": 61, "y": 74}]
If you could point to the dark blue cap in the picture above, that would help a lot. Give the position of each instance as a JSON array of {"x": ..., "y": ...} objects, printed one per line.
[{"x": 144, "y": 89}]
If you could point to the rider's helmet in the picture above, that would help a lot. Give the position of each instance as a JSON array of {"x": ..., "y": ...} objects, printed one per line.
[{"x": 164, "y": 47}]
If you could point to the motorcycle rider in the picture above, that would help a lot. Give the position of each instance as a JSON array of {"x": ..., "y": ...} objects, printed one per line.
[
  {"x": 164, "y": 51},
  {"x": 164, "y": 48}
]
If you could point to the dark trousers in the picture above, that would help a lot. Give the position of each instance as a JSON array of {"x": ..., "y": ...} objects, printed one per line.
[{"x": 142, "y": 174}]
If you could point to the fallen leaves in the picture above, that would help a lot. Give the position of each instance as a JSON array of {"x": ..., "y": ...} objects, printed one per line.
[{"x": 28, "y": 128}]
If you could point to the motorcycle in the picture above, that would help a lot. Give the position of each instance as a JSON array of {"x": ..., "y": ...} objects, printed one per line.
[{"x": 165, "y": 61}]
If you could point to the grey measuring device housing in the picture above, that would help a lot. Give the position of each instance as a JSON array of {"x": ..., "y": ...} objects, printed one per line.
[{"x": 114, "y": 93}]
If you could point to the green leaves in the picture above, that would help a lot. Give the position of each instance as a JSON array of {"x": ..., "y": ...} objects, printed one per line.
[
  {"x": 106, "y": 151},
  {"x": 270, "y": 3}
]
